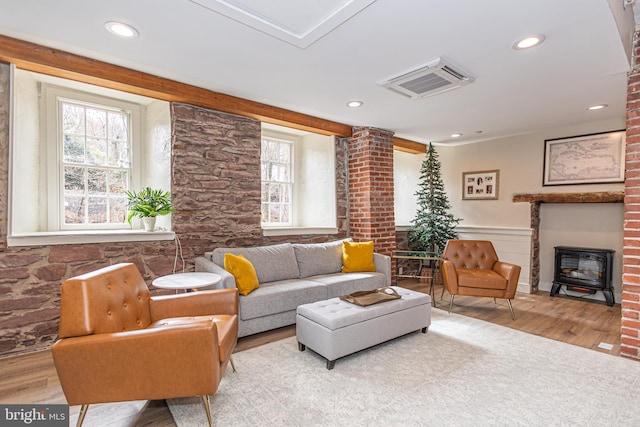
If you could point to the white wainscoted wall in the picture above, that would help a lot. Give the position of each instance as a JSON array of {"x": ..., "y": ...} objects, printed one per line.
[{"x": 512, "y": 245}]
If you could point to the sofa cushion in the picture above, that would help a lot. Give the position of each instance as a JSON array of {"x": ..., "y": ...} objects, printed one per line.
[
  {"x": 357, "y": 256},
  {"x": 279, "y": 297},
  {"x": 339, "y": 284},
  {"x": 243, "y": 272},
  {"x": 319, "y": 258},
  {"x": 272, "y": 263}
]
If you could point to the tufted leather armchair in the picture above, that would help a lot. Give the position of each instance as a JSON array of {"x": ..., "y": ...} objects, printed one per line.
[
  {"x": 471, "y": 267},
  {"x": 118, "y": 343}
]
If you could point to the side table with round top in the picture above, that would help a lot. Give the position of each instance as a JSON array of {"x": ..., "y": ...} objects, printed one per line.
[{"x": 190, "y": 281}]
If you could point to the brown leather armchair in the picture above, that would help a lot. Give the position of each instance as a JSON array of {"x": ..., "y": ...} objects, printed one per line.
[
  {"x": 471, "y": 267},
  {"x": 118, "y": 343}
]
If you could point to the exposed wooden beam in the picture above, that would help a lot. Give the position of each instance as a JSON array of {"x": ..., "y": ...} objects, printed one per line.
[
  {"x": 586, "y": 197},
  {"x": 41, "y": 59},
  {"x": 408, "y": 146}
]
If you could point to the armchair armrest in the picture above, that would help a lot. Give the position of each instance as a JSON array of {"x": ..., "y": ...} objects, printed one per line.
[
  {"x": 200, "y": 303},
  {"x": 511, "y": 272},
  {"x": 154, "y": 363},
  {"x": 383, "y": 265},
  {"x": 449, "y": 275},
  {"x": 227, "y": 280}
]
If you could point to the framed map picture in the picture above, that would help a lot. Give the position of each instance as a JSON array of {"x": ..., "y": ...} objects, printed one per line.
[
  {"x": 586, "y": 159},
  {"x": 480, "y": 185}
]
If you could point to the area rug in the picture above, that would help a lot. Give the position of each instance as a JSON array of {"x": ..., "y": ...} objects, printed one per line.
[{"x": 463, "y": 372}]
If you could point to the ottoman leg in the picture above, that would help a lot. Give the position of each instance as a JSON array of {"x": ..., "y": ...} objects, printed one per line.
[
  {"x": 301, "y": 346},
  {"x": 425, "y": 329},
  {"x": 330, "y": 364}
]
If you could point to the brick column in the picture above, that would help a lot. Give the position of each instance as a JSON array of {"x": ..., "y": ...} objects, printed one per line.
[
  {"x": 371, "y": 202},
  {"x": 630, "y": 330}
]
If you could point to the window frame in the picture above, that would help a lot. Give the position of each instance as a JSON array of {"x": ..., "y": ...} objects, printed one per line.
[
  {"x": 292, "y": 141},
  {"x": 51, "y": 143}
]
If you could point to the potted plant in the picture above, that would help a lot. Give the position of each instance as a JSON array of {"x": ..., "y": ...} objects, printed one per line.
[{"x": 147, "y": 204}]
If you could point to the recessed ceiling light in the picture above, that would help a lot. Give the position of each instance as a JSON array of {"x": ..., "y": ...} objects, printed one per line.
[
  {"x": 456, "y": 135},
  {"x": 529, "y": 41},
  {"x": 121, "y": 30},
  {"x": 597, "y": 107},
  {"x": 355, "y": 104}
]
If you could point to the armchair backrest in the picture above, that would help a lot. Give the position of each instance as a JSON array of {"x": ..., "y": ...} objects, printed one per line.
[
  {"x": 112, "y": 299},
  {"x": 471, "y": 254}
]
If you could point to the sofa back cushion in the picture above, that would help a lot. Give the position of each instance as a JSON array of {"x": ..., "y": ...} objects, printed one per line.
[
  {"x": 275, "y": 262},
  {"x": 319, "y": 258}
]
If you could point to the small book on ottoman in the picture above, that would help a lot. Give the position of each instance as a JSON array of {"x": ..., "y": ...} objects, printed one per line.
[{"x": 376, "y": 296}]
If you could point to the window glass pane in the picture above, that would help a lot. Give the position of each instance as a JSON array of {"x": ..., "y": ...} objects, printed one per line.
[
  {"x": 117, "y": 210},
  {"x": 118, "y": 126},
  {"x": 265, "y": 212},
  {"x": 264, "y": 194},
  {"x": 274, "y": 213},
  {"x": 285, "y": 190},
  {"x": 97, "y": 210},
  {"x": 263, "y": 170},
  {"x": 74, "y": 210},
  {"x": 72, "y": 119},
  {"x": 73, "y": 149},
  {"x": 284, "y": 153},
  {"x": 274, "y": 151},
  {"x": 274, "y": 193},
  {"x": 285, "y": 213},
  {"x": 119, "y": 154},
  {"x": 96, "y": 151},
  {"x": 73, "y": 180},
  {"x": 117, "y": 181},
  {"x": 96, "y": 123},
  {"x": 97, "y": 181}
]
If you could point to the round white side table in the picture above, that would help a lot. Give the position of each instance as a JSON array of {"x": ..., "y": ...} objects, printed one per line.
[{"x": 188, "y": 281}]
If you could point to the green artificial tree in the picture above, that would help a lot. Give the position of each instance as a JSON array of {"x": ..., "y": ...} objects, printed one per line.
[{"x": 433, "y": 225}]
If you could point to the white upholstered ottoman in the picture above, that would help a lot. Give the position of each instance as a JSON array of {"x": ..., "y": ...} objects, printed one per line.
[{"x": 334, "y": 328}]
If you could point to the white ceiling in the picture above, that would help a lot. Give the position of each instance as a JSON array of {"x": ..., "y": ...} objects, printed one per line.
[{"x": 210, "y": 43}]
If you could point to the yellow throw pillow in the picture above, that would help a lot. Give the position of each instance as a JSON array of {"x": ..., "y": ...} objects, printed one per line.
[
  {"x": 243, "y": 271},
  {"x": 357, "y": 256}
]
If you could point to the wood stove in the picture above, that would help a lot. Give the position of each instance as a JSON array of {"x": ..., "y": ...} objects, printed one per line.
[{"x": 583, "y": 270}]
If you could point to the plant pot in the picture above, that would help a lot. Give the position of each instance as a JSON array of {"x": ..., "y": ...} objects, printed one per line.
[{"x": 149, "y": 223}]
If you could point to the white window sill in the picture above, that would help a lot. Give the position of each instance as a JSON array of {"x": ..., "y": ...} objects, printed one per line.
[
  {"x": 289, "y": 231},
  {"x": 87, "y": 236}
]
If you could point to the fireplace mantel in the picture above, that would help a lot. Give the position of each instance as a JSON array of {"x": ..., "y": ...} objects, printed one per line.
[
  {"x": 536, "y": 200},
  {"x": 597, "y": 197}
]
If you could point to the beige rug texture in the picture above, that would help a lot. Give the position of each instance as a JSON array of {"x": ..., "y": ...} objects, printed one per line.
[{"x": 463, "y": 372}]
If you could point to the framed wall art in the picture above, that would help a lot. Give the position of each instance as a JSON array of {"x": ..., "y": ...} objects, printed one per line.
[
  {"x": 586, "y": 159},
  {"x": 480, "y": 185}
]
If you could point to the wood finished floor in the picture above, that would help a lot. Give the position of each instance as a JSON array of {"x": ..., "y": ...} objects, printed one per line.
[{"x": 31, "y": 378}]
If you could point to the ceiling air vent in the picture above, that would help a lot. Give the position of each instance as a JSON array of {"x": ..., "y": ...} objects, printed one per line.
[{"x": 436, "y": 76}]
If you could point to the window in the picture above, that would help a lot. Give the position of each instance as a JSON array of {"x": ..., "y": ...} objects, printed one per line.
[
  {"x": 95, "y": 148},
  {"x": 91, "y": 148},
  {"x": 75, "y": 149},
  {"x": 298, "y": 182},
  {"x": 276, "y": 167}
]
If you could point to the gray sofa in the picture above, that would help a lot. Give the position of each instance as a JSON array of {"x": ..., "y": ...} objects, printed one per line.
[{"x": 291, "y": 275}]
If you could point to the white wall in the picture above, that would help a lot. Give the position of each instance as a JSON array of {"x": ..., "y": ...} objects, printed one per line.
[
  {"x": 315, "y": 184},
  {"x": 406, "y": 176},
  {"x": 520, "y": 161},
  {"x": 157, "y": 152},
  {"x": 25, "y": 155}
]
